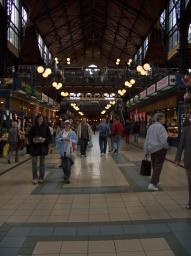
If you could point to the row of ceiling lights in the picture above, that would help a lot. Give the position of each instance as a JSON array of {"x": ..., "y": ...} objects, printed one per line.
[
  {"x": 108, "y": 107},
  {"x": 127, "y": 84},
  {"x": 129, "y": 62},
  {"x": 144, "y": 70},
  {"x": 76, "y": 108}
]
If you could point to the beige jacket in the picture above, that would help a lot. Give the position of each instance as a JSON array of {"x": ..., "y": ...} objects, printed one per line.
[{"x": 79, "y": 129}]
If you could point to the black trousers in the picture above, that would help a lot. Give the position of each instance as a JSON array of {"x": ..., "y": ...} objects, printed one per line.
[
  {"x": 157, "y": 160},
  {"x": 83, "y": 146}
]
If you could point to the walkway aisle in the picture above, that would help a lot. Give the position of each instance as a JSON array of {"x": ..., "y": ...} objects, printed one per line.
[{"x": 105, "y": 211}]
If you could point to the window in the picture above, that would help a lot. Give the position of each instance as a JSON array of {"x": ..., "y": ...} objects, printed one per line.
[
  {"x": 45, "y": 54},
  {"x": 173, "y": 19},
  {"x": 163, "y": 19},
  {"x": 14, "y": 13},
  {"x": 189, "y": 34},
  {"x": 145, "y": 46},
  {"x": 92, "y": 69},
  {"x": 24, "y": 17}
]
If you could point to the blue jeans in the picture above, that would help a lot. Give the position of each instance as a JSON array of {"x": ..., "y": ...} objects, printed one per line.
[
  {"x": 66, "y": 165},
  {"x": 136, "y": 137},
  {"x": 116, "y": 142},
  {"x": 103, "y": 144}
]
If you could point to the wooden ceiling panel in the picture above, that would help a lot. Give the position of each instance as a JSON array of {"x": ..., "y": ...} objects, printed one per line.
[{"x": 119, "y": 26}]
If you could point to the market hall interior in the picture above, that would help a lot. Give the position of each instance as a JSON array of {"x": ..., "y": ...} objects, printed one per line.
[{"x": 70, "y": 64}]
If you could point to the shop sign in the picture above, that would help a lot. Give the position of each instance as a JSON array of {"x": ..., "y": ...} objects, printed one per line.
[
  {"x": 162, "y": 83},
  {"x": 151, "y": 89},
  {"x": 166, "y": 81},
  {"x": 44, "y": 98},
  {"x": 172, "y": 80},
  {"x": 51, "y": 101},
  {"x": 143, "y": 94}
]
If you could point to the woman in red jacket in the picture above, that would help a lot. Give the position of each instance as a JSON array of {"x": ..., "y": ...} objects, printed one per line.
[{"x": 117, "y": 132}]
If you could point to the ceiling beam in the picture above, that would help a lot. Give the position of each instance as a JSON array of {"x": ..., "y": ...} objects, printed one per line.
[
  {"x": 133, "y": 27},
  {"x": 132, "y": 10},
  {"x": 82, "y": 24},
  {"x": 70, "y": 46},
  {"x": 69, "y": 29},
  {"x": 116, "y": 32},
  {"x": 51, "y": 10}
]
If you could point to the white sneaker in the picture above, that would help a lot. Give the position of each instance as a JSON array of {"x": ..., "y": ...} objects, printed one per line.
[
  {"x": 34, "y": 181},
  {"x": 41, "y": 181},
  {"x": 152, "y": 187}
]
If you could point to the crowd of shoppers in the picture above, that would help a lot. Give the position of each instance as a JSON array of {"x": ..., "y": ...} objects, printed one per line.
[{"x": 40, "y": 138}]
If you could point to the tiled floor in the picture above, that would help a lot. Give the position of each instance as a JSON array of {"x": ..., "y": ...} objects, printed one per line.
[{"x": 106, "y": 210}]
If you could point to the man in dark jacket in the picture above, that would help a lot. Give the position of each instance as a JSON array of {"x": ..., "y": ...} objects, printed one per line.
[{"x": 39, "y": 139}]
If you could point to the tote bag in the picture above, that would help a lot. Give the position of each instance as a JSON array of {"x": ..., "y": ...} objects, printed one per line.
[{"x": 145, "y": 168}]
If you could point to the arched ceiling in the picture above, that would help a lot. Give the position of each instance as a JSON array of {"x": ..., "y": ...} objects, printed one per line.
[{"x": 94, "y": 31}]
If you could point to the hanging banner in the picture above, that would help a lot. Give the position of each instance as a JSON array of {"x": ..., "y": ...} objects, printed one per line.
[
  {"x": 143, "y": 94},
  {"x": 51, "y": 101},
  {"x": 166, "y": 81},
  {"x": 162, "y": 83},
  {"x": 151, "y": 89},
  {"x": 44, "y": 98}
]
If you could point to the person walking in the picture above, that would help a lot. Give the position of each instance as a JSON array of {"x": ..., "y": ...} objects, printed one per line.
[
  {"x": 13, "y": 141},
  {"x": 110, "y": 138},
  {"x": 39, "y": 139},
  {"x": 136, "y": 131},
  {"x": 117, "y": 132},
  {"x": 185, "y": 145},
  {"x": 104, "y": 131},
  {"x": 127, "y": 131},
  {"x": 156, "y": 145},
  {"x": 66, "y": 141},
  {"x": 84, "y": 133}
]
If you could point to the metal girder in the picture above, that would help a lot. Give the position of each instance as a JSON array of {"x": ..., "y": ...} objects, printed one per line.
[
  {"x": 116, "y": 32},
  {"x": 56, "y": 33},
  {"x": 129, "y": 34},
  {"x": 62, "y": 36},
  {"x": 110, "y": 43},
  {"x": 82, "y": 24},
  {"x": 60, "y": 27},
  {"x": 44, "y": 13},
  {"x": 132, "y": 10},
  {"x": 69, "y": 29},
  {"x": 122, "y": 25},
  {"x": 93, "y": 25},
  {"x": 70, "y": 46}
]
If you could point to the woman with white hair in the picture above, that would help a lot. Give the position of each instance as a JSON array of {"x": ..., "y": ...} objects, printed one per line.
[
  {"x": 66, "y": 141},
  {"x": 156, "y": 145}
]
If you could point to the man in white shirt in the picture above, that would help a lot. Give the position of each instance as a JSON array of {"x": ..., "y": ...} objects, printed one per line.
[{"x": 156, "y": 145}]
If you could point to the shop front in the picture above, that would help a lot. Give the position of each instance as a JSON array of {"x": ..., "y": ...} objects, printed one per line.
[{"x": 159, "y": 97}]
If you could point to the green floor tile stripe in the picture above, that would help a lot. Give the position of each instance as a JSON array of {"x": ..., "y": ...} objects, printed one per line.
[
  {"x": 54, "y": 183},
  {"x": 36, "y": 232},
  {"x": 137, "y": 182},
  {"x": 92, "y": 231}
]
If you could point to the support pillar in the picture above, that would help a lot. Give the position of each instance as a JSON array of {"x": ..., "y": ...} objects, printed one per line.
[
  {"x": 183, "y": 26},
  {"x": 3, "y": 40}
]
